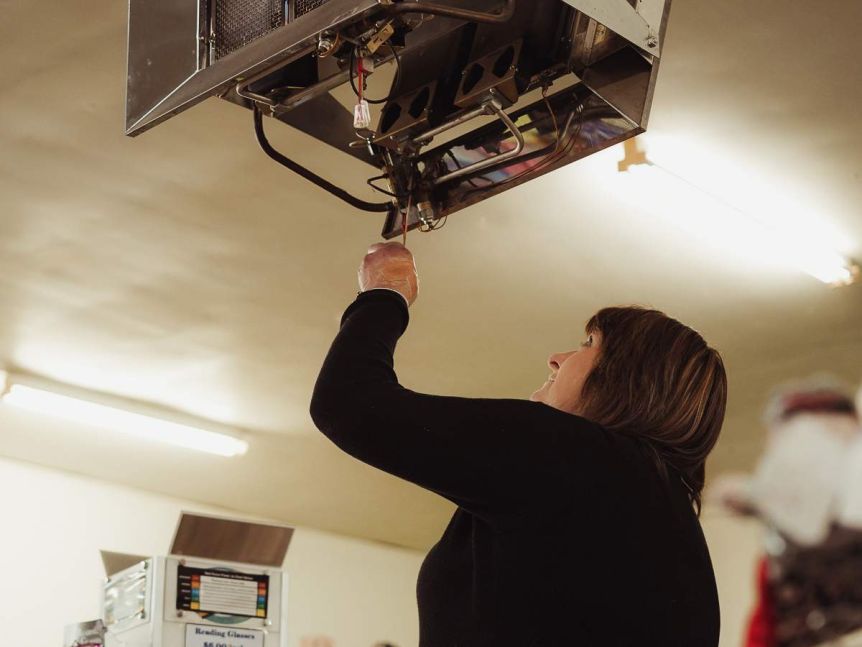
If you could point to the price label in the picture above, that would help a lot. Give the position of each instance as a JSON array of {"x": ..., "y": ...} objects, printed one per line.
[{"x": 209, "y": 636}]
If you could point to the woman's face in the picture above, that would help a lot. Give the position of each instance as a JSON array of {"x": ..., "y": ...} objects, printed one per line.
[{"x": 569, "y": 371}]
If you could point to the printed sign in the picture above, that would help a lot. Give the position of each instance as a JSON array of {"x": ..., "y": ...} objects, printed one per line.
[
  {"x": 221, "y": 591},
  {"x": 209, "y": 636}
]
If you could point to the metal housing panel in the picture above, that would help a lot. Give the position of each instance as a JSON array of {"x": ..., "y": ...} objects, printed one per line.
[
  {"x": 163, "y": 55},
  {"x": 240, "y": 22},
  {"x": 642, "y": 24},
  {"x": 305, "y": 6},
  {"x": 576, "y": 76},
  {"x": 231, "y": 540},
  {"x": 164, "y": 51}
]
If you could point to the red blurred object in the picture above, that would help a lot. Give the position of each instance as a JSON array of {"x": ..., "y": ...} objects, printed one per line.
[{"x": 761, "y": 627}]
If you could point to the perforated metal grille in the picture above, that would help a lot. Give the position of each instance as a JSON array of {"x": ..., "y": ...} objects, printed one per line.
[
  {"x": 239, "y": 22},
  {"x": 304, "y": 6}
]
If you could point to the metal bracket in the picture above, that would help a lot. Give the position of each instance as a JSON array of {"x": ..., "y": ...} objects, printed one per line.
[{"x": 640, "y": 24}]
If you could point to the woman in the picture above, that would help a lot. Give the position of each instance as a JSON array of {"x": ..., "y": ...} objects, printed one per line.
[{"x": 576, "y": 523}]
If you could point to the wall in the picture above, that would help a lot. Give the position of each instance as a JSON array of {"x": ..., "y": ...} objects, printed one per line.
[
  {"x": 54, "y": 524},
  {"x": 355, "y": 592},
  {"x": 735, "y": 547}
]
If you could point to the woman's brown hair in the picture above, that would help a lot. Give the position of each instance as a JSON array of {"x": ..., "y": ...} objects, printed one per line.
[{"x": 658, "y": 380}]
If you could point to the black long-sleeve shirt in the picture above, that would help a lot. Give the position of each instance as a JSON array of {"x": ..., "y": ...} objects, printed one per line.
[{"x": 565, "y": 534}]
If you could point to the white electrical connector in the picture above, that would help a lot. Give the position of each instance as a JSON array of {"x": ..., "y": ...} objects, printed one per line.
[{"x": 362, "y": 115}]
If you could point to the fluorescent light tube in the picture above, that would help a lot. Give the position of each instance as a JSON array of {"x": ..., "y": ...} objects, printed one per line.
[
  {"x": 134, "y": 424},
  {"x": 711, "y": 217}
]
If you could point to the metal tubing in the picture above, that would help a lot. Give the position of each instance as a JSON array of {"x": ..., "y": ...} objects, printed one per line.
[
  {"x": 496, "y": 159},
  {"x": 304, "y": 95},
  {"x": 242, "y": 87},
  {"x": 427, "y": 136},
  {"x": 382, "y": 207},
  {"x": 451, "y": 12}
]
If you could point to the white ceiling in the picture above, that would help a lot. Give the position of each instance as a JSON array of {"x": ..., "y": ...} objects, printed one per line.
[{"x": 185, "y": 269}]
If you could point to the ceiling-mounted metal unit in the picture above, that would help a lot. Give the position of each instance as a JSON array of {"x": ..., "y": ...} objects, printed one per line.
[
  {"x": 488, "y": 94},
  {"x": 302, "y": 7},
  {"x": 236, "y": 23}
]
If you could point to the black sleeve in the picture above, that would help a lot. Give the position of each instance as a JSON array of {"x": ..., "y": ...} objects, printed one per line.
[{"x": 481, "y": 454}]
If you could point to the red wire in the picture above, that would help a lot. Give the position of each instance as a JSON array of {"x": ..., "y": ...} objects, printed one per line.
[
  {"x": 405, "y": 216},
  {"x": 360, "y": 72}
]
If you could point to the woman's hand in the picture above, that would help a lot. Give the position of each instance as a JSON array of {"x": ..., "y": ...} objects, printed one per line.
[{"x": 390, "y": 266}]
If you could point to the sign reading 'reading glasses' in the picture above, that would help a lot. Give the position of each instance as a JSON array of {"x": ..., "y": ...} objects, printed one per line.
[
  {"x": 207, "y": 591},
  {"x": 206, "y": 636}
]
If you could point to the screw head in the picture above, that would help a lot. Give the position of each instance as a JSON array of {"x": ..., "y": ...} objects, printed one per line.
[{"x": 652, "y": 41}]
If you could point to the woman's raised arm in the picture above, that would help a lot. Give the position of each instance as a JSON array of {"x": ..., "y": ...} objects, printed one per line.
[{"x": 481, "y": 454}]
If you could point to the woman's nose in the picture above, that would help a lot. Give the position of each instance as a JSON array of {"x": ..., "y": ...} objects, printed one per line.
[{"x": 555, "y": 360}]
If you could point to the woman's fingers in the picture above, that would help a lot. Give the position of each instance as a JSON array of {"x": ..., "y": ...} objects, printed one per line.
[
  {"x": 390, "y": 266},
  {"x": 376, "y": 247}
]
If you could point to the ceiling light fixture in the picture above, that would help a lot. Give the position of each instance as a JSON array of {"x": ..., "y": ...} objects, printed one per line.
[
  {"x": 88, "y": 412},
  {"x": 713, "y": 217}
]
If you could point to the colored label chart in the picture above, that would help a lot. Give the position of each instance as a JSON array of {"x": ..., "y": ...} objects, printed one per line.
[{"x": 222, "y": 591}]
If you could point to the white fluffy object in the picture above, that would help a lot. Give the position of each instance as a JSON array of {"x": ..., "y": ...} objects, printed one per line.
[{"x": 801, "y": 480}]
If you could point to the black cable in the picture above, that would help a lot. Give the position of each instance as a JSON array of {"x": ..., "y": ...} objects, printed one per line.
[
  {"x": 309, "y": 175},
  {"x": 370, "y": 182},
  {"x": 451, "y": 12},
  {"x": 395, "y": 82}
]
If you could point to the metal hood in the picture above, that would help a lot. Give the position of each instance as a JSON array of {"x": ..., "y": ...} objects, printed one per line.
[{"x": 488, "y": 94}]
